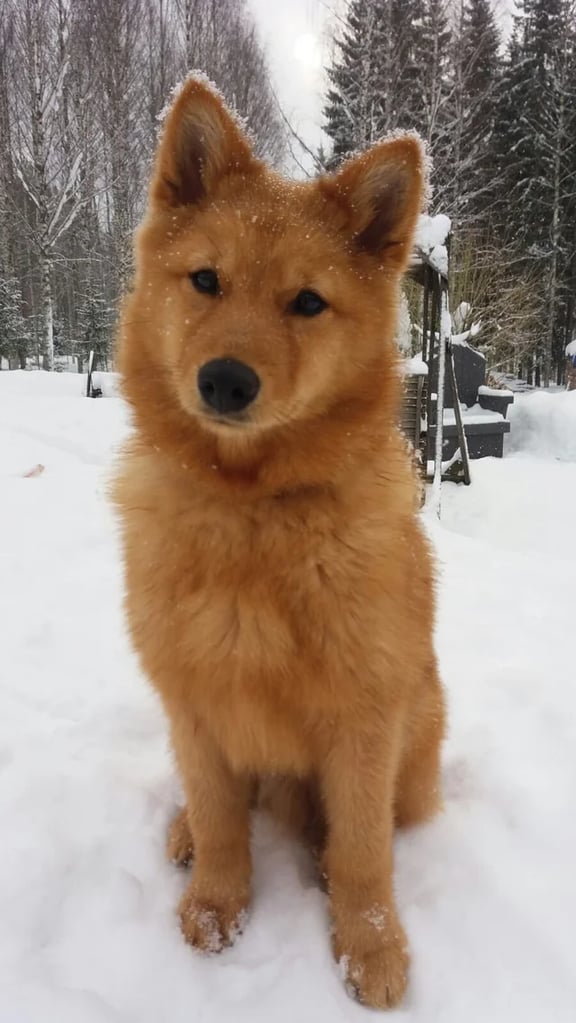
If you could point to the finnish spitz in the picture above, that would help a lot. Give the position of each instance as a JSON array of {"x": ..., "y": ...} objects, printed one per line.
[{"x": 279, "y": 586}]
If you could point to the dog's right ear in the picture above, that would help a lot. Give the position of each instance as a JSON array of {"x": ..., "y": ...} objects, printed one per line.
[
  {"x": 200, "y": 144},
  {"x": 381, "y": 193}
]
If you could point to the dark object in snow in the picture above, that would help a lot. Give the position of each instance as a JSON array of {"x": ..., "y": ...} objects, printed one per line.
[
  {"x": 92, "y": 390},
  {"x": 470, "y": 370},
  {"x": 495, "y": 402},
  {"x": 485, "y": 439},
  {"x": 430, "y": 270},
  {"x": 484, "y": 432},
  {"x": 474, "y": 416}
]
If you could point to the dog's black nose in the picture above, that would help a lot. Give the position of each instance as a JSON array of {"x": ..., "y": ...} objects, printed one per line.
[{"x": 227, "y": 385}]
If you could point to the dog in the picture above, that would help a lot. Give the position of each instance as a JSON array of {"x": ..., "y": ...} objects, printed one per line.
[{"x": 280, "y": 590}]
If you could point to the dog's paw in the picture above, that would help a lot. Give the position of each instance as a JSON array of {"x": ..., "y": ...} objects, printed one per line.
[
  {"x": 179, "y": 845},
  {"x": 210, "y": 927},
  {"x": 375, "y": 972}
]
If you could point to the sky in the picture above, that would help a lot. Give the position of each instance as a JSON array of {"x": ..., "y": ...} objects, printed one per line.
[
  {"x": 297, "y": 38},
  {"x": 296, "y": 35}
]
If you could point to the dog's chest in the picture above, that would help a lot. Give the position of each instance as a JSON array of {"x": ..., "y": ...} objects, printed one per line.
[
  {"x": 246, "y": 594},
  {"x": 261, "y": 595},
  {"x": 263, "y": 624}
]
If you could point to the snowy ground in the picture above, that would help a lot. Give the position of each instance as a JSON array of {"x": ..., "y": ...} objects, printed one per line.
[{"x": 88, "y": 932}]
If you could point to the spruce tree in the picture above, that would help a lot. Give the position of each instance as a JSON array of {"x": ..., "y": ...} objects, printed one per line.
[
  {"x": 14, "y": 334},
  {"x": 354, "y": 112},
  {"x": 480, "y": 54},
  {"x": 432, "y": 113},
  {"x": 376, "y": 76},
  {"x": 536, "y": 146},
  {"x": 94, "y": 323}
]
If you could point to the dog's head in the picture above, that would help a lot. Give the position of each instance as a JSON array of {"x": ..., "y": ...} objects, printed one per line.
[{"x": 260, "y": 304}]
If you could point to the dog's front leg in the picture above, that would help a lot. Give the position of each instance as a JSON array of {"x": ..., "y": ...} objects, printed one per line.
[
  {"x": 213, "y": 907},
  {"x": 358, "y": 788}
]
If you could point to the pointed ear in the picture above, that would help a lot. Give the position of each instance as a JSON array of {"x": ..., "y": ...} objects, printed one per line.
[
  {"x": 382, "y": 193},
  {"x": 201, "y": 143}
]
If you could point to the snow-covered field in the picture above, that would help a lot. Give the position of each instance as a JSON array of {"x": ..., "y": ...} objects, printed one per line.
[{"x": 88, "y": 932}]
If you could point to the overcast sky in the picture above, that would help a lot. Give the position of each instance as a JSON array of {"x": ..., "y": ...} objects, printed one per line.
[{"x": 296, "y": 35}]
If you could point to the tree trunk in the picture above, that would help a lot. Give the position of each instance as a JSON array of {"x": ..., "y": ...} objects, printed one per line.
[
  {"x": 47, "y": 312},
  {"x": 555, "y": 240}
]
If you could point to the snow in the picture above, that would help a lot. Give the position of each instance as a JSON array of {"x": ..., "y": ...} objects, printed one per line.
[
  {"x": 431, "y": 236},
  {"x": 445, "y": 322},
  {"x": 571, "y": 348},
  {"x": 432, "y": 231},
  {"x": 88, "y": 930},
  {"x": 464, "y": 336},
  {"x": 414, "y": 366},
  {"x": 109, "y": 383},
  {"x": 494, "y": 392},
  {"x": 461, "y": 315},
  {"x": 475, "y": 415},
  {"x": 544, "y": 423},
  {"x": 404, "y": 327}
]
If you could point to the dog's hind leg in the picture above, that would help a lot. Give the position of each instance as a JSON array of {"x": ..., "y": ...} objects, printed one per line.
[
  {"x": 179, "y": 844},
  {"x": 418, "y": 793}
]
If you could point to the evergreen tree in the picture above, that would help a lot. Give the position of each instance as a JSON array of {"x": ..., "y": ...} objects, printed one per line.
[
  {"x": 536, "y": 146},
  {"x": 412, "y": 59},
  {"x": 433, "y": 119},
  {"x": 532, "y": 57},
  {"x": 376, "y": 75},
  {"x": 480, "y": 55},
  {"x": 434, "y": 63},
  {"x": 14, "y": 334},
  {"x": 94, "y": 324},
  {"x": 355, "y": 111},
  {"x": 501, "y": 129}
]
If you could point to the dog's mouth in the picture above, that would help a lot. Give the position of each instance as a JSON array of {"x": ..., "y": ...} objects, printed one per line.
[
  {"x": 232, "y": 420},
  {"x": 229, "y": 420}
]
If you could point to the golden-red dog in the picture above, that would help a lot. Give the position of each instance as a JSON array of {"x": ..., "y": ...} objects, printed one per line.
[{"x": 279, "y": 586}]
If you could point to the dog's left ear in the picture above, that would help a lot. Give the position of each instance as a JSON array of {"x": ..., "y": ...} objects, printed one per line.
[
  {"x": 201, "y": 143},
  {"x": 381, "y": 193}
]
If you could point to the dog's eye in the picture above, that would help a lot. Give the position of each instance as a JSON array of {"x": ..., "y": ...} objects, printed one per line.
[
  {"x": 308, "y": 303},
  {"x": 206, "y": 281}
]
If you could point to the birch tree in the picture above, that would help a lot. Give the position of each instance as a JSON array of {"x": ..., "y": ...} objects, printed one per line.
[
  {"x": 81, "y": 86},
  {"x": 47, "y": 154}
]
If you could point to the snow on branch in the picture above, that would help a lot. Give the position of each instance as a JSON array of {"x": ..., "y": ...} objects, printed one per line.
[{"x": 431, "y": 237}]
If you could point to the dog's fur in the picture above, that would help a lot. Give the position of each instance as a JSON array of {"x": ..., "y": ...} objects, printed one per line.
[{"x": 280, "y": 589}]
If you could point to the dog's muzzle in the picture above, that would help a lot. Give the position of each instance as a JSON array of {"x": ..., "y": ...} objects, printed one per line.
[{"x": 227, "y": 386}]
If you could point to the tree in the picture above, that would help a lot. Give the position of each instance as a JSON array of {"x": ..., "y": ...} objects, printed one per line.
[
  {"x": 219, "y": 37},
  {"x": 81, "y": 85},
  {"x": 47, "y": 153},
  {"x": 502, "y": 133},
  {"x": 14, "y": 333},
  {"x": 376, "y": 74},
  {"x": 478, "y": 46},
  {"x": 536, "y": 144},
  {"x": 355, "y": 111},
  {"x": 94, "y": 316}
]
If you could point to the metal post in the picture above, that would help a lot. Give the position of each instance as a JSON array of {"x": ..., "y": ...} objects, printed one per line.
[
  {"x": 445, "y": 334},
  {"x": 89, "y": 378}
]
